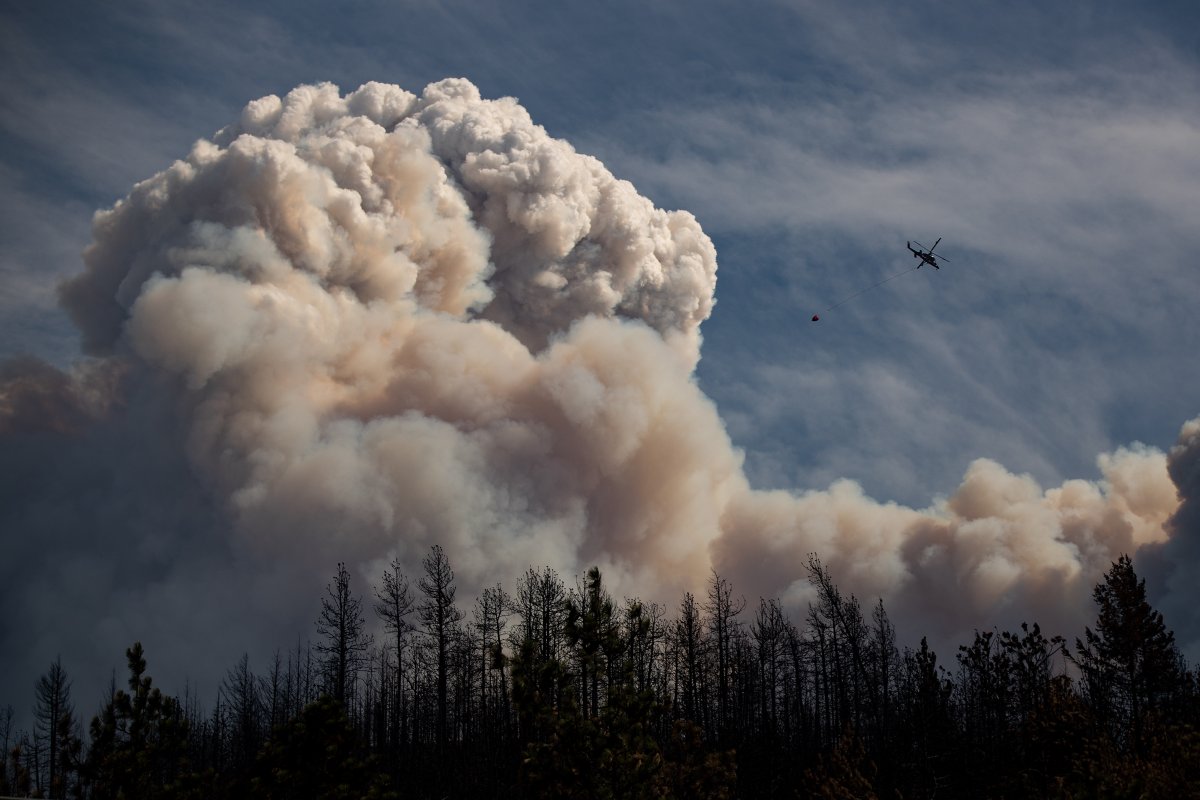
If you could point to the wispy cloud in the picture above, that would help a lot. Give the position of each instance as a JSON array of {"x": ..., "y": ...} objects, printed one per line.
[{"x": 1066, "y": 197}]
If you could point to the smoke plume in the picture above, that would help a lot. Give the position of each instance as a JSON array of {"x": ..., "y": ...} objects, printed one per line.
[{"x": 350, "y": 327}]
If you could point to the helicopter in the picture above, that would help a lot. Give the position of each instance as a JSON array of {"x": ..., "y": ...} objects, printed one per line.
[{"x": 926, "y": 256}]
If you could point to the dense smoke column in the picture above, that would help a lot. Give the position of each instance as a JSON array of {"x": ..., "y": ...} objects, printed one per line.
[
  {"x": 398, "y": 321},
  {"x": 395, "y": 321},
  {"x": 348, "y": 328}
]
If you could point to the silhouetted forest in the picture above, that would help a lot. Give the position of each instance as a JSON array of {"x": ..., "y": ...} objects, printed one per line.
[{"x": 550, "y": 690}]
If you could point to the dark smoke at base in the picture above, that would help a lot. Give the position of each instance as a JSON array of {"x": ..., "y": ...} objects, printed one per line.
[
  {"x": 107, "y": 538},
  {"x": 1172, "y": 567},
  {"x": 350, "y": 327}
]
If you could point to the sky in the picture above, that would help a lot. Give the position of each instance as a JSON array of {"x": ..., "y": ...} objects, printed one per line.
[{"x": 1054, "y": 150}]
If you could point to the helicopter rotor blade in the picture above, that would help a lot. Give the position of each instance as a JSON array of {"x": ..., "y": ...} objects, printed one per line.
[{"x": 918, "y": 244}]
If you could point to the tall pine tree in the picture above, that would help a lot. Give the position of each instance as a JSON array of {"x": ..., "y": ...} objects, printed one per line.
[
  {"x": 55, "y": 721},
  {"x": 343, "y": 640},
  {"x": 139, "y": 741},
  {"x": 1129, "y": 663},
  {"x": 439, "y": 618}
]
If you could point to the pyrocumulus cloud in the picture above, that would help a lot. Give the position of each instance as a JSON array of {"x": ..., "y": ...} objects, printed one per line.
[{"x": 371, "y": 322}]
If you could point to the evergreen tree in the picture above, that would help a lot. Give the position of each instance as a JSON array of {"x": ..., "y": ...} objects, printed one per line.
[
  {"x": 492, "y": 609},
  {"x": 984, "y": 680},
  {"x": 439, "y": 617},
  {"x": 318, "y": 756},
  {"x": 1031, "y": 661},
  {"x": 629, "y": 762},
  {"x": 393, "y": 605},
  {"x": 139, "y": 741},
  {"x": 1129, "y": 664},
  {"x": 622, "y": 703},
  {"x": 593, "y": 632},
  {"x": 769, "y": 631},
  {"x": 20, "y": 783},
  {"x": 54, "y": 719},
  {"x": 690, "y": 645},
  {"x": 551, "y": 729},
  {"x": 1055, "y": 738},
  {"x": 929, "y": 730},
  {"x": 243, "y": 704},
  {"x": 691, "y": 771},
  {"x": 274, "y": 693},
  {"x": 722, "y": 611},
  {"x": 541, "y": 603},
  {"x": 611, "y": 752},
  {"x": 845, "y": 773},
  {"x": 341, "y": 626},
  {"x": 6, "y": 733}
]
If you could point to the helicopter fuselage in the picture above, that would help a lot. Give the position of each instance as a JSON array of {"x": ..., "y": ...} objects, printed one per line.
[{"x": 926, "y": 258}]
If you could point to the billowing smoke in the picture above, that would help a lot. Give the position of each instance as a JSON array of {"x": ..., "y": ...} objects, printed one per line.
[
  {"x": 349, "y": 327},
  {"x": 999, "y": 551},
  {"x": 1174, "y": 563},
  {"x": 34, "y": 396},
  {"x": 394, "y": 321}
]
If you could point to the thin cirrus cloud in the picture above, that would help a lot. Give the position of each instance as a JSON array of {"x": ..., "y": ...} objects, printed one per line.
[{"x": 1064, "y": 197}]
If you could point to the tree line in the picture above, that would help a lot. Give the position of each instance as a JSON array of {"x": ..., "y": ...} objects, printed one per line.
[{"x": 562, "y": 691}]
